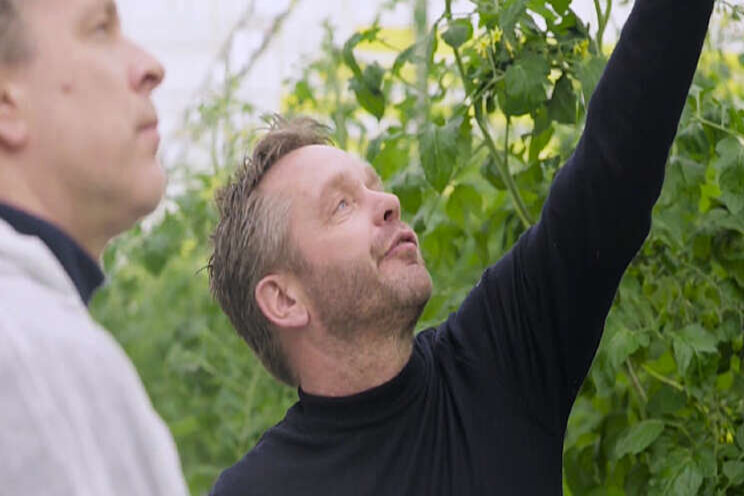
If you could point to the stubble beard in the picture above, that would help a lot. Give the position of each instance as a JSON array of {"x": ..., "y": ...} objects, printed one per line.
[{"x": 352, "y": 298}]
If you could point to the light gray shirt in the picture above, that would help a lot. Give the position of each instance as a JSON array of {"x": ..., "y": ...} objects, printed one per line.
[{"x": 74, "y": 416}]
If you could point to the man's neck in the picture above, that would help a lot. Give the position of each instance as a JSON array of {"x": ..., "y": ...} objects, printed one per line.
[
  {"x": 333, "y": 367},
  {"x": 18, "y": 193}
]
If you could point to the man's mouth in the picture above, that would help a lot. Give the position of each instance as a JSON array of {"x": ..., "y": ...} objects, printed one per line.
[{"x": 405, "y": 240}]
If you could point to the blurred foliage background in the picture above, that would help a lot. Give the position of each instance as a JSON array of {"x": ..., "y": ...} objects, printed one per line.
[{"x": 467, "y": 116}]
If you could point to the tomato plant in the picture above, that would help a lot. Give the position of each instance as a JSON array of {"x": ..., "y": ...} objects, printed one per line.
[{"x": 468, "y": 124}]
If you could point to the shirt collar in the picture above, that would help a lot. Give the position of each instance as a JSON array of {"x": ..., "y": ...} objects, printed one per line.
[
  {"x": 80, "y": 267},
  {"x": 372, "y": 406}
]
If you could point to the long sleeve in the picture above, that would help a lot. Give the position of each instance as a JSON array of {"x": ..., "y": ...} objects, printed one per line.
[{"x": 535, "y": 319}]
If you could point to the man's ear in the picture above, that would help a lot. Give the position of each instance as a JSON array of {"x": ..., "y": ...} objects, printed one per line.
[
  {"x": 280, "y": 301},
  {"x": 13, "y": 126}
]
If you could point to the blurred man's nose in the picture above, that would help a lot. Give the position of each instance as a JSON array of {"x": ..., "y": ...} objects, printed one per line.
[{"x": 146, "y": 72}]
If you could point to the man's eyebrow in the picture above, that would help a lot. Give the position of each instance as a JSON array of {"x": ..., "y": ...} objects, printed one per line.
[
  {"x": 341, "y": 178},
  {"x": 374, "y": 178},
  {"x": 336, "y": 181}
]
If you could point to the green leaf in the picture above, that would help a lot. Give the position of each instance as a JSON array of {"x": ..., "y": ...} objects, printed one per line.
[
  {"x": 303, "y": 91},
  {"x": 458, "y": 32},
  {"x": 391, "y": 158},
  {"x": 407, "y": 55},
  {"x": 580, "y": 469},
  {"x": 666, "y": 400},
  {"x": 730, "y": 168},
  {"x": 740, "y": 436},
  {"x": 734, "y": 471},
  {"x": 638, "y": 437},
  {"x": 705, "y": 459},
  {"x": 438, "y": 244},
  {"x": 525, "y": 85},
  {"x": 623, "y": 344},
  {"x": 687, "y": 481},
  {"x": 161, "y": 244},
  {"x": 510, "y": 13},
  {"x": 464, "y": 200},
  {"x": 438, "y": 149},
  {"x": 373, "y": 75},
  {"x": 372, "y": 101},
  {"x": 682, "y": 355},
  {"x": 408, "y": 188},
  {"x": 560, "y": 6},
  {"x": 562, "y": 106},
  {"x": 540, "y": 7},
  {"x": 351, "y": 43},
  {"x": 589, "y": 72},
  {"x": 636, "y": 481},
  {"x": 724, "y": 381},
  {"x": 538, "y": 142},
  {"x": 490, "y": 170},
  {"x": 367, "y": 89},
  {"x": 699, "y": 339}
]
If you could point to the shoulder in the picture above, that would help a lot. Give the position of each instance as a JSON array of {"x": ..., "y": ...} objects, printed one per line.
[
  {"x": 67, "y": 378},
  {"x": 263, "y": 470}
]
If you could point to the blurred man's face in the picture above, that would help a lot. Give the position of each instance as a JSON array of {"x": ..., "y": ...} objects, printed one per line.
[
  {"x": 92, "y": 129},
  {"x": 364, "y": 268}
]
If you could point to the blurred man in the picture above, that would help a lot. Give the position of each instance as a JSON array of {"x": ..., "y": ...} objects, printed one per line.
[
  {"x": 317, "y": 272},
  {"x": 78, "y": 138}
]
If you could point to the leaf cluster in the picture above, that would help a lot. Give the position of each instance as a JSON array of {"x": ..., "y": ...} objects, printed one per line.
[{"x": 468, "y": 125}]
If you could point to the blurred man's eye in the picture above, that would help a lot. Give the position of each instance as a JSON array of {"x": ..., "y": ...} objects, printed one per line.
[{"x": 106, "y": 26}]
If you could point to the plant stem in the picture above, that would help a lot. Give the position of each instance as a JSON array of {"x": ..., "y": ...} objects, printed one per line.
[
  {"x": 665, "y": 380},
  {"x": 635, "y": 380},
  {"x": 682, "y": 429},
  {"x": 503, "y": 168},
  {"x": 712, "y": 124},
  {"x": 421, "y": 29},
  {"x": 602, "y": 20}
]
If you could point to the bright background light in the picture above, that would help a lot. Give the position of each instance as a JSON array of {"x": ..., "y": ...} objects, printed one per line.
[{"x": 188, "y": 37}]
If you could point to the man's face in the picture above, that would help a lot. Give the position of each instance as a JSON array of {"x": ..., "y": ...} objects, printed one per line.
[
  {"x": 92, "y": 129},
  {"x": 364, "y": 270}
]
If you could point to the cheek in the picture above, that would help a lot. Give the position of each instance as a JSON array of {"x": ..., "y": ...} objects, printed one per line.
[{"x": 341, "y": 244}]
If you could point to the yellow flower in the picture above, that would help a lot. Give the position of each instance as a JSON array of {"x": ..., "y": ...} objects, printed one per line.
[
  {"x": 482, "y": 47},
  {"x": 729, "y": 437},
  {"x": 509, "y": 47},
  {"x": 581, "y": 48},
  {"x": 496, "y": 35}
]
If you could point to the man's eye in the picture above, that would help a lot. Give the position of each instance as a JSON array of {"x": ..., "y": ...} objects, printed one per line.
[
  {"x": 342, "y": 205},
  {"x": 104, "y": 27}
]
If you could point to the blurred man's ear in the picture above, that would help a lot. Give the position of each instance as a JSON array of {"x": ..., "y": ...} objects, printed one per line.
[
  {"x": 13, "y": 127},
  {"x": 280, "y": 301}
]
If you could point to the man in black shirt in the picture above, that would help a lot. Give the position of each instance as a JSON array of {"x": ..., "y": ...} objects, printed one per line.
[{"x": 317, "y": 272}]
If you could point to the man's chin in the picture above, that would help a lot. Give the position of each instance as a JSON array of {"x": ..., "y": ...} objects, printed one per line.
[
  {"x": 151, "y": 193},
  {"x": 414, "y": 286}
]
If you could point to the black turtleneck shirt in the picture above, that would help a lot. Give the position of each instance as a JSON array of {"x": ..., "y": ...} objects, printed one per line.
[
  {"x": 79, "y": 266},
  {"x": 481, "y": 408}
]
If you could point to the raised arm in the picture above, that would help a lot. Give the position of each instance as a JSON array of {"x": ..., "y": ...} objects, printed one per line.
[{"x": 543, "y": 306}]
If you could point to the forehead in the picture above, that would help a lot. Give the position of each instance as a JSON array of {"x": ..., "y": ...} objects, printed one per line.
[{"x": 307, "y": 171}]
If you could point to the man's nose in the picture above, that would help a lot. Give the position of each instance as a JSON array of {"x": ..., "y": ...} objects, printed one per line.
[
  {"x": 388, "y": 208},
  {"x": 146, "y": 72}
]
